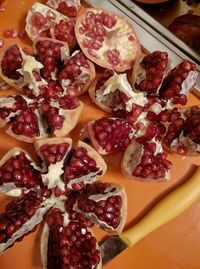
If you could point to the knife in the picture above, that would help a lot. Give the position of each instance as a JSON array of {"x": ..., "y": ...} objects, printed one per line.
[{"x": 167, "y": 209}]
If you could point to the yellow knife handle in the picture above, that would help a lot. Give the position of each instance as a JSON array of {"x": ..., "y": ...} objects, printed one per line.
[{"x": 167, "y": 209}]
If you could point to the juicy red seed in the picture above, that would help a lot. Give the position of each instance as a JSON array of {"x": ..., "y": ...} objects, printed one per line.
[
  {"x": 64, "y": 31},
  {"x": 68, "y": 102},
  {"x": 192, "y": 127},
  {"x": 18, "y": 169},
  {"x": 52, "y": 115},
  {"x": 70, "y": 11},
  {"x": 38, "y": 20},
  {"x": 103, "y": 78},
  {"x": 53, "y": 153},
  {"x": 108, "y": 20},
  {"x": 11, "y": 62},
  {"x": 113, "y": 135},
  {"x": 113, "y": 56}
]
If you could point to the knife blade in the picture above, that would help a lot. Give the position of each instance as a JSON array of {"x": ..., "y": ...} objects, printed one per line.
[{"x": 172, "y": 205}]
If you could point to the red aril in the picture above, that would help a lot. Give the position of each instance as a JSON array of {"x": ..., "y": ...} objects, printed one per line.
[
  {"x": 77, "y": 74},
  {"x": 66, "y": 7},
  {"x": 107, "y": 39}
]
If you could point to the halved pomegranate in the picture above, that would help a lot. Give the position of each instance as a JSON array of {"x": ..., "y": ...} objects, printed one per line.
[
  {"x": 183, "y": 130},
  {"x": 107, "y": 39},
  {"x": 149, "y": 71},
  {"x": 66, "y": 7},
  {"x": 43, "y": 21},
  {"x": 110, "y": 135},
  {"x": 62, "y": 114},
  {"x": 178, "y": 82},
  {"x": 54, "y": 153},
  {"x": 68, "y": 244},
  {"x": 52, "y": 54},
  {"x": 17, "y": 172},
  {"x": 77, "y": 74},
  {"x": 85, "y": 167},
  {"x": 21, "y": 216},
  {"x": 103, "y": 204},
  {"x": 146, "y": 162}
]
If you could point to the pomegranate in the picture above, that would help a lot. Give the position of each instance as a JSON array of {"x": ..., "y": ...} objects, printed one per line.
[
  {"x": 178, "y": 82},
  {"x": 68, "y": 244},
  {"x": 110, "y": 135},
  {"x": 21, "y": 216},
  {"x": 146, "y": 162},
  {"x": 107, "y": 39},
  {"x": 66, "y": 7},
  {"x": 148, "y": 73},
  {"x": 103, "y": 204},
  {"x": 84, "y": 167},
  {"x": 62, "y": 115},
  {"x": 77, "y": 74},
  {"x": 51, "y": 53},
  {"x": 183, "y": 130},
  {"x": 43, "y": 21}
]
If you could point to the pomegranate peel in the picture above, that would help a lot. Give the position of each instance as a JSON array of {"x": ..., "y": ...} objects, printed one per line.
[{"x": 102, "y": 35}]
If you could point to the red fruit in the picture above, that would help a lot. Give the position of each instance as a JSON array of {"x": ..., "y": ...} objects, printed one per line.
[
  {"x": 84, "y": 167},
  {"x": 43, "y": 21},
  {"x": 149, "y": 71},
  {"x": 21, "y": 217},
  {"x": 68, "y": 244},
  {"x": 110, "y": 135},
  {"x": 52, "y": 54},
  {"x": 18, "y": 171},
  {"x": 102, "y": 36},
  {"x": 179, "y": 81},
  {"x": 103, "y": 204},
  {"x": 77, "y": 74},
  {"x": 66, "y": 7},
  {"x": 146, "y": 162}
]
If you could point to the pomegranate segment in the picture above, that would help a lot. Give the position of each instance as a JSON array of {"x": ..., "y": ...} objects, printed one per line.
[
  {"x": 43, "y": 21},
  {"x": 21, "y": 216},
  {"x": 84, "y": 167},
  {"x": 77, "y": 74},
  {"x": 54, "y": 153},
  {"x": 103, "y": 204},
  {"x": 68, "y": 244},
  {"x": 52, "y": 54},
  {"x": 146, "y": 162},
  {"x": 183, "y": 131},
  {"x": 67, "y": 7},
  {"x": 178, "y": 82},
  {"x": 110, "y": 135},
  {"x": 62, "y": 115},
  {"x": 18, "y": 171},
  {"x": 107, "y": 39},
  {"x": 148, "y": 73}
]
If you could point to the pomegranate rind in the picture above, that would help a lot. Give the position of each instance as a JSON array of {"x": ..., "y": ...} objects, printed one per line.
[
  {"x": 44, "y": 246},
  {"x": 131, "y": 158},
  {"x": 122, "y": 26},
  {"x": 10, "y": 188},
  {"x": 71, "y": 120}
]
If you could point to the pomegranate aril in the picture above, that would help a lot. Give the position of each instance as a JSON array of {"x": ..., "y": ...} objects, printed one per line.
[{"x": 66, "y": 7}]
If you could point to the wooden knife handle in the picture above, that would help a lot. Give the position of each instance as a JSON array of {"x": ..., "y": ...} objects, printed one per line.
[{"x": 167, "y": 209}]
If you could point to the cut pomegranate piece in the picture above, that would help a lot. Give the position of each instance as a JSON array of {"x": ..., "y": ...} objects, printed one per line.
[
  {"x": 53, "y": 152},
  {"x": 183, "y": 130},
  {"x": 18, "y": 171},
  {"x": 11, "y": 106},
  {"x": 21, "y": 217},
  {"x": 43, "y": 21},
  {"x": 62, "y": 115},
  {"x": 68, "y": 244},
  {"x": 77, "y": 74},
  {"x": 146, "y": 162},
  {"x": 104, "y": 204},
  {"x": 178, "y": 82},
  {"x": 84, "y": 167},
  {"x": 149, "y": 71},
  {"x": 28, "y": 126},
  {"x": 66, "y": 7},
  {"x": 52, "y": 54},
  {"x": 110, "y": 135},
  {"x": 107, "y": 39}
]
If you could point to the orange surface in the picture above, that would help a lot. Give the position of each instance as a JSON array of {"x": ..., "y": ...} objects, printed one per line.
[{"x": 173, "y": 246}]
